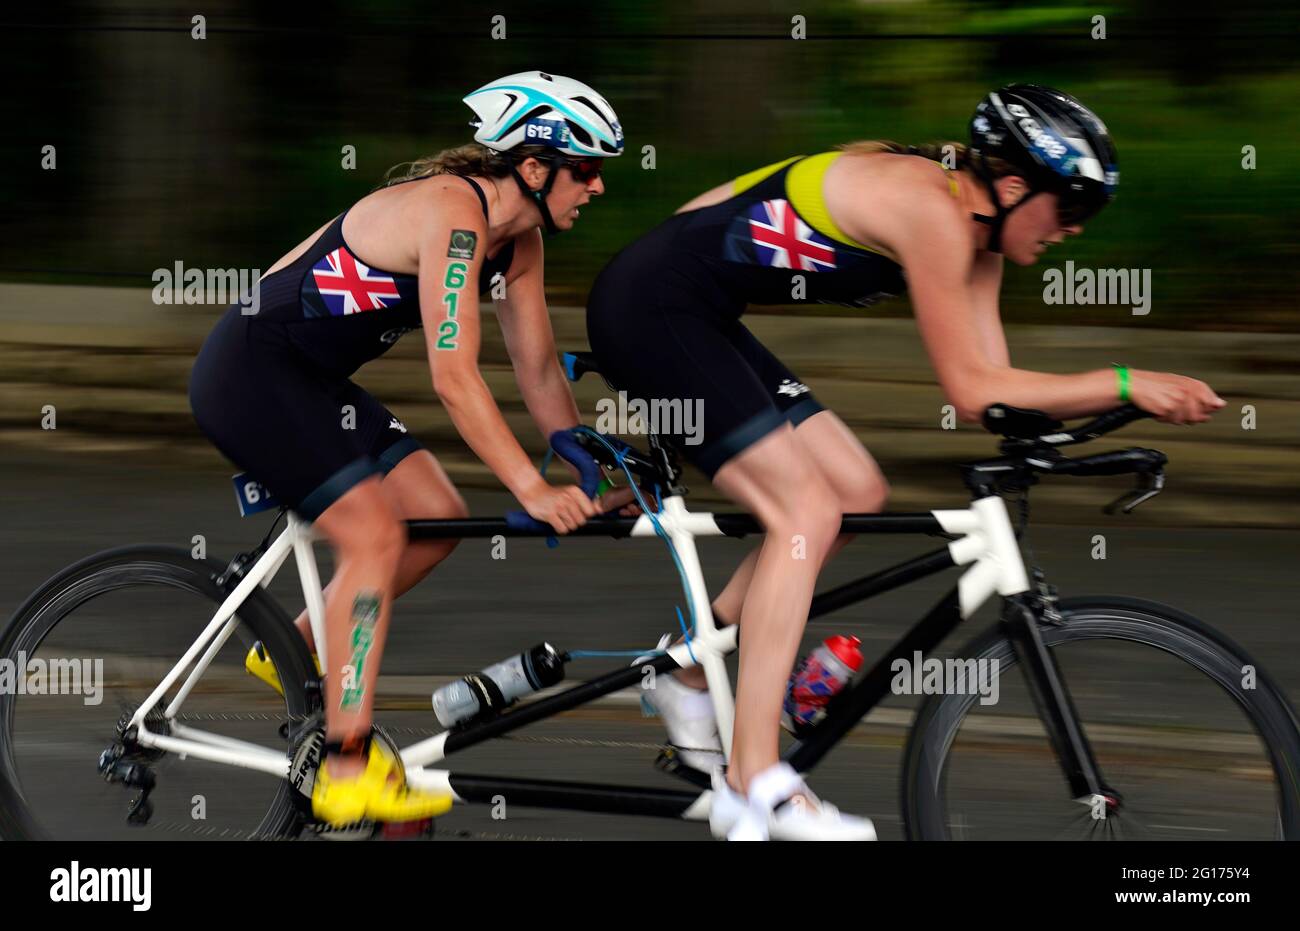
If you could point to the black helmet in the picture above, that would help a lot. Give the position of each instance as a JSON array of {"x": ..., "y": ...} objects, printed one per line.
[{"x": 1059, "y": 144}]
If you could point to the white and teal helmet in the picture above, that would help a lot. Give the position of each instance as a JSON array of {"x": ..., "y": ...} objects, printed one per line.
[{"x": 536, "y": 108}]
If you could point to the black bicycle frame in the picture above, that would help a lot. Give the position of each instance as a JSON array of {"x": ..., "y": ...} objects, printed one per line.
[{"x": 1020, "y": 617}]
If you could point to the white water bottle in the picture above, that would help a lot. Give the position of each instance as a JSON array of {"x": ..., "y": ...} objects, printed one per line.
[{"x": 498, "y": 686}]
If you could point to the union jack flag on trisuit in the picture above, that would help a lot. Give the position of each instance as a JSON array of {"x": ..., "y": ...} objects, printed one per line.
[
  {"x": 782, "y": 240},
  {"x": 348, "y": 286}
]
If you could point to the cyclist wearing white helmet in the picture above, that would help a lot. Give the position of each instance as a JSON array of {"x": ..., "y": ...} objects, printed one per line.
[
  {"x": 849, "y": 226},
  {"x": 274, "y": 392},
  {"x": 572, "y": 123}
]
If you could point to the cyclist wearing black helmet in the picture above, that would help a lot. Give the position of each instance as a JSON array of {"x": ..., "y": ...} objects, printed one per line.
[
  {"x": 1054, "y": 142},
  {"x": 849, "y": 226}
]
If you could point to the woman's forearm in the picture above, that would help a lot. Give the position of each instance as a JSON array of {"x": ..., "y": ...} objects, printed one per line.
[
  {"x": 549, "y": 400},
  {"x": 1061, "y": 396},
  {"x": 476, "y": 416}
]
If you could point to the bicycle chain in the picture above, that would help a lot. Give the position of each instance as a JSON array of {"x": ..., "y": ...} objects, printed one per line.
[
  {"x": 426, "y": 732},
  {"x": 219, "y": 833},
  {"x": 233, "y": 834}
]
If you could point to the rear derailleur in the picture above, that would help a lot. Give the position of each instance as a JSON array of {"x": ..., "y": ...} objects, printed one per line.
[{"x": 127, "y": 761}]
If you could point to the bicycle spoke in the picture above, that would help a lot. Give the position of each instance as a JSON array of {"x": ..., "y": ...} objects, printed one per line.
[
  {"x": 59, "y": 741},
  {"x": 1184, "y": 758}
]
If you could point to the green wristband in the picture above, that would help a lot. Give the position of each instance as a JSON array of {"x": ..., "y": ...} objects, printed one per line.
[
  {"x": 1121, "y": 373},
  {"x": 604, "y": 486}
]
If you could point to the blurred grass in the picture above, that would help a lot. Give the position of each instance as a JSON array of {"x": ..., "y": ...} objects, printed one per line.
[
  {"x": 115, "y": 368},
  {"x": 226, "y": 152}
]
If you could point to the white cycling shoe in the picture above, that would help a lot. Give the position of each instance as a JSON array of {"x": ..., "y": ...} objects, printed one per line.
[
  {"x": 771, "y": 813},
  {"x": 687, "y": 714}
]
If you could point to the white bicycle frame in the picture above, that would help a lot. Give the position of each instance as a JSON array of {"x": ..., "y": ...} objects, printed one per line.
[{"x": 987, "y": 545}]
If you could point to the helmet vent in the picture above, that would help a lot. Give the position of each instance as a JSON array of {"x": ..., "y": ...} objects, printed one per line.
[
  {"x": 534, "y": 112},
  {"x": 594, "y": 109},
  {"x": 579, "y": 133}
]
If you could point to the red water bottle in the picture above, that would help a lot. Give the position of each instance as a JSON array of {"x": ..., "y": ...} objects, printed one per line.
[{"x": 823, "y": 673}]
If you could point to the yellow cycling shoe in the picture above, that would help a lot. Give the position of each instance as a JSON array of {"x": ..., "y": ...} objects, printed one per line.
[
  {"x": 258, "y": 663},
  {"x": 373, "y": 795}
]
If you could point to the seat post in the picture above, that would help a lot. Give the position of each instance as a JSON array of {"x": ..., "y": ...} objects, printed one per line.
[{"x": 665, "y": 457}]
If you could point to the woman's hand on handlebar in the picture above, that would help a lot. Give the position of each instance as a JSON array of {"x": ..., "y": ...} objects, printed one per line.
[
  {"x": 623, "y": 498},
  {"x": 1173, "y": 398},
  {"x": 564, "y": 507}
]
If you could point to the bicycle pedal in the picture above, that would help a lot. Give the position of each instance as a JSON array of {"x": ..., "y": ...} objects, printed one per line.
[
  {"x": 306, "y": 756},
  {"x": 667, "y": 759},
  {"x": 670, "y": 762}
]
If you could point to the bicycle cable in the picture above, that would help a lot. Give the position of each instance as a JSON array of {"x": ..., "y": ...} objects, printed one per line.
[
  {"x": 620, "y": 458},
  {"x": 552, "y": 541}
]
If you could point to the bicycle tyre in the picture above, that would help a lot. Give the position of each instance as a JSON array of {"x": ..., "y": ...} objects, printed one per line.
[
  {"x": 1134, "y": 620},
  {"x": 146, "y": 565}
]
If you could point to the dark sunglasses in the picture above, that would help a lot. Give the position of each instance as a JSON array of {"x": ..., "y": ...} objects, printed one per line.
[
  {"x": 1074, "y": 214},
  {"x": 1074, "y": 211},
  {"x": 584, "y": 169}
]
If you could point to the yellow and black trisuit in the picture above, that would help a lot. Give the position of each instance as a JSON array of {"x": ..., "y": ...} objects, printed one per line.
[{"x": 664, "y": 315}]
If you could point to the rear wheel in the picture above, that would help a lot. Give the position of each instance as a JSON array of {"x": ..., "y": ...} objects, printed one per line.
[{"x": 112, "y": 626}]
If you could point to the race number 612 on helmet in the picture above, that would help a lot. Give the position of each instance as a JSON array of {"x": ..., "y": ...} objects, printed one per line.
[{"x": 534, "y": 108}]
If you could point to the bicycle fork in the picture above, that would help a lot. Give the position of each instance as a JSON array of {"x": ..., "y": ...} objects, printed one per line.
[
  {"x": 988, "y": 545},
  {"x": 1020, "y": 621}
]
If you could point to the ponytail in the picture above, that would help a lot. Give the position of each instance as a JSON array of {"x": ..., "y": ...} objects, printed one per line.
[
  {"x": 470, "y": 159},
  {"x": 952, "y": 155}
]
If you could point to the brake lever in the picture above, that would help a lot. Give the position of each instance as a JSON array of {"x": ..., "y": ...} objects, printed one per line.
[
  {"x": 633, "y": 457},
  {"x": 1149, "y": 485}
]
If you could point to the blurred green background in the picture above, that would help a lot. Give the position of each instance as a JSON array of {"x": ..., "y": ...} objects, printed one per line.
[{"x": 226, "y": 152}]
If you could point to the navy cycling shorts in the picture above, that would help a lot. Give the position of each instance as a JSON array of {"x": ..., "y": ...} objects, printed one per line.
[
  {"x": 744, "y": 391},
  {"x": 306, "y": 434}
]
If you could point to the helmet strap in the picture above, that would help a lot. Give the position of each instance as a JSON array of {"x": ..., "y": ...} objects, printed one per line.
[
  {"x": 995, "y": 222},
  {"x": 539, "y": 196},
  {"x": 999, "y": 219}
]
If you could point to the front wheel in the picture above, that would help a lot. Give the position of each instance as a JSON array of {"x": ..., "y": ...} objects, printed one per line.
[{"x": 1192, "y": 739}]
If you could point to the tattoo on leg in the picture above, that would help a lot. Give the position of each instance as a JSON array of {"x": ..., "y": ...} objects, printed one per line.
[{"x": 365, "y": 615}]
